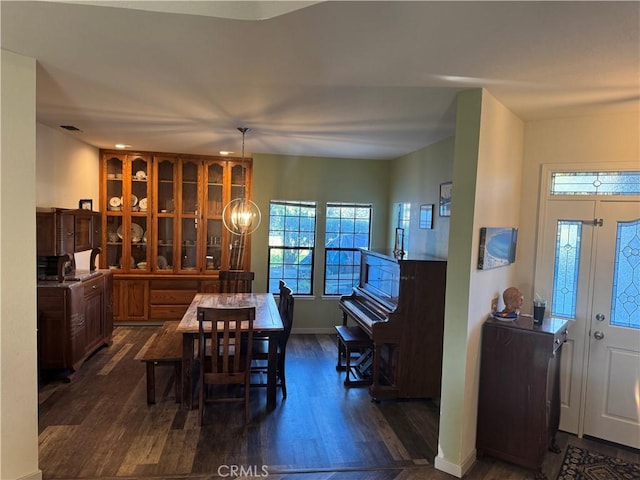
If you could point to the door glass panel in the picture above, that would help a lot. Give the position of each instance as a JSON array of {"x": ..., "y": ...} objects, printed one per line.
[
  {"x": 139, "y": 193},
  {"x": 188, "y": 257},
  {"x": 165, "y": 243},
  {"x": 189, "y": 188},
  {"x": 114, "y": 184},
  {"x": 214, "y": 245},
  {"x": 139, "y": 243},
  {"x": 566, "y": 267},
  {"x": 114, "y": 241},
  {"x": 214, "y": 190},
  {"x": 237, "y": 182},
  {"x": 165, "y": 187},
  {"x": 625, "y": 298}
]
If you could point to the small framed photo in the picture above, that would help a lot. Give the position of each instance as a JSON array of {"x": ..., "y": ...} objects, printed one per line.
[
  {"x": 85, "y": 204},
  {"x": 445, "y": 199},
  {"x": 426, "y": 216}
]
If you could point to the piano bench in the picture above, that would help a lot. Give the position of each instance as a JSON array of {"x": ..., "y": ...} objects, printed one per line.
[{"x": 354, "y": 340}]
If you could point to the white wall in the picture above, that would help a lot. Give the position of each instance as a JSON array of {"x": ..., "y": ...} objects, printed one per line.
[
  {"x": 486, "y": 193},
  {"x": 66, "y": 171},
  {"x": 18, "y": 345},
  {"x": 416, "y": 179},
  {"x": 613, "y": 138}
]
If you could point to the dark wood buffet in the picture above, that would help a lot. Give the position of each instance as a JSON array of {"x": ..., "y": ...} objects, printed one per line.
[
  {"x": 75, "y": 318},
  {"x": 519, "y": 396}
]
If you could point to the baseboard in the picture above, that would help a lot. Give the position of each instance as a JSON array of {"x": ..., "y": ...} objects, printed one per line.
[
  {"x": 32, "y": 476},
  {"x": 453, "y": 469},
  {"x": 313, "y": 330}
]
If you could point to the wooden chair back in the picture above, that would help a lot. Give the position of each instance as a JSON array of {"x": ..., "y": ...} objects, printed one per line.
[
  {"x": 236, "y": 281},
  {"x": 225, "y": 336}
]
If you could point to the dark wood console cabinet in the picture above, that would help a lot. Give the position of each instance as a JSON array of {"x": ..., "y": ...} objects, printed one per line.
[
  {"x": 519, "y": 397},
  {"x": 75, "y": 318}
]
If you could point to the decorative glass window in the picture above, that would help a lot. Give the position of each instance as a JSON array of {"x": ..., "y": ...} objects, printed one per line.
[
  {"x": 566, "y": 267},
  {"x": 348, "y": 228},
  {"x": 625, "y": 298},
  {"x": 292, "y": 237},
  {"x": 595, "y": 183}
]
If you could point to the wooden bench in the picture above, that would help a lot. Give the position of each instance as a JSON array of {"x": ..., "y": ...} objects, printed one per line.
[
  {"x": 354, "y": 340},
  {"x": 165, "y": 349}
]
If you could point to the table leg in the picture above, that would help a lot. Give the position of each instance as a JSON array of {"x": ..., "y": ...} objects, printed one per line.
[
  {"x": 187, "y": 368},
  {"x": 272, "y": 370}
]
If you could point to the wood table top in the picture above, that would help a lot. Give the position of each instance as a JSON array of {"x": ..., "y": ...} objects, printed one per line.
[{"x": 267, "y": 315}]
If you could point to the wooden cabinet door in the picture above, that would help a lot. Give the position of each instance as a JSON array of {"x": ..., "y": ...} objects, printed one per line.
[
  {"x": 94, "y": 313},
  {"x": 83, "y": 230},
  {"x": 132, "y": 303}
]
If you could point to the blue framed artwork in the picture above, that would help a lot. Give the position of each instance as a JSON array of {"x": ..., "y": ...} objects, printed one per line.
[{"x": 497, "y": 247}]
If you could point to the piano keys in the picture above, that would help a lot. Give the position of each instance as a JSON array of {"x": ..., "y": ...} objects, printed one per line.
[{"x": 400, "y": 305}]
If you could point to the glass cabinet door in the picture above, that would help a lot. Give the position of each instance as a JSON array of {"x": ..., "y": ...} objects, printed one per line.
[
  {"x": 137, "y": 207},
  {"x": 189, "y": 214},
  {"x": 114, "y": 227},
  {"x": 213, "y": 216},
  {"x": 164, "y": 208}
]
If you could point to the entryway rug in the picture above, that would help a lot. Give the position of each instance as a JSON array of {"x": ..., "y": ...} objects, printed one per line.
[{"x": 582, "y": 464}]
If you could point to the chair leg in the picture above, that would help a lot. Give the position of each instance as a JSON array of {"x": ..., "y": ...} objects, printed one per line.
[{"x": 247, "y": 412}]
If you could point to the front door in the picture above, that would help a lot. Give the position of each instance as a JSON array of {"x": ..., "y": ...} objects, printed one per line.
[
  {"x": 591, "y": 274},
  {"x": 613, "y": 375}
]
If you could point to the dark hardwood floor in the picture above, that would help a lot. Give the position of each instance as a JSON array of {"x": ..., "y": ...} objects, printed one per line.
[{"x": 99, "y": 426}]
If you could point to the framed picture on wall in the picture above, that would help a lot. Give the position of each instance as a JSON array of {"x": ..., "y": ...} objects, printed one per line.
[
  {"x": 426, "y": 216},
  {"x": 497, "y": 247},
  {"x": 445, "y": 199},
  {"x": 85, "y": 204}
]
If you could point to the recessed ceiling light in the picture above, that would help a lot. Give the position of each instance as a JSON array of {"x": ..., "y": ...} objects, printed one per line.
[
  {"x": 225, "y": 152},
  {"x": 122, "y": 145}
]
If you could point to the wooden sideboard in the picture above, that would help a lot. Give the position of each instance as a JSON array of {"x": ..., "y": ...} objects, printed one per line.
[
  {"x": 75, "y": 318},
  {"x": 519, "y": 397}
]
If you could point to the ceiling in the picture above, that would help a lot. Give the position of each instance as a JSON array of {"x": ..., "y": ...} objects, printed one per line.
[{"x": 338, "y": 79}]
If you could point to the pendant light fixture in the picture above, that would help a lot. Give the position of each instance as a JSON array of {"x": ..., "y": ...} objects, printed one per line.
[{"x": 241, "y": 216}]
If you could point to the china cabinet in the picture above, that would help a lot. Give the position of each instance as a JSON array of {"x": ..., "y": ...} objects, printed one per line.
[{"x": 163, "y": 235}]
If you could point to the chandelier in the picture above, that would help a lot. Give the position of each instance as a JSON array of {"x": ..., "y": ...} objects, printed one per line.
[{"x": 241, "y": 216}]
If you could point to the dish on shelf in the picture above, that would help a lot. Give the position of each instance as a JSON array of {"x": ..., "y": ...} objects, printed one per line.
[
  {"x": 162, "y": 262},
  {"x": 144, "y": 237},
  {"x": 505, "y": 316},
  {"x": 136, "y": 232},
  {"x": 111, "y": 176},
  {"x": 141, "y": 175},
  {"x": 142, "y": 265},
  {"x": 134, "y": 200},
  {"x": 115, "y": 201},
  {"x": 143, "y": 204},
  {"x": 132, "y": 264},
  {"x": 119, "y": 233}
]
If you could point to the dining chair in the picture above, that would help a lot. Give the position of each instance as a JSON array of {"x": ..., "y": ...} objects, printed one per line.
[
  {"x": 236, "y": 281},
  {"x": 226, "y": 361},
  {"x": 260, "y": 353}
]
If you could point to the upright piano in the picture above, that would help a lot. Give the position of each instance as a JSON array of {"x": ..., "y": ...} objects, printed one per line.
[{"x": 400, "y": 305}]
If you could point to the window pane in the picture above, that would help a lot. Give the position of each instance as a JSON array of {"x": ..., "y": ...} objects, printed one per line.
[
  {"x": 291, "y": 245},
  {"x": 625, "y": 304},
  {"x": 567, "y": 261},
  {"x": 595, "y": 183},
  {"x": 347, "y": 228}
]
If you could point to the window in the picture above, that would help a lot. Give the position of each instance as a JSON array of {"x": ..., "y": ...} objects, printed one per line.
[
  {"x": 292, "y": 237},
  {"x": 348, "y": 228},
  {"x": 566, "y": 266},
  {"x": 595, "y": 183}
]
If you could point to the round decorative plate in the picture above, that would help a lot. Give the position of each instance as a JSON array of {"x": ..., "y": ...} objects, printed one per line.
[
  {"x": 162, "y": 262},
  {"x": 115, "y": 201},
  {"x": 136, "y": 232},
  {"x": 143, "y": 204},
  {"x": 119, "y": 232},
  {"x": 141, "y": 175}
]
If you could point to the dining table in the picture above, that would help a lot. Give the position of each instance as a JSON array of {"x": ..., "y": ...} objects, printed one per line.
[{"x": 267, "y": 323}]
